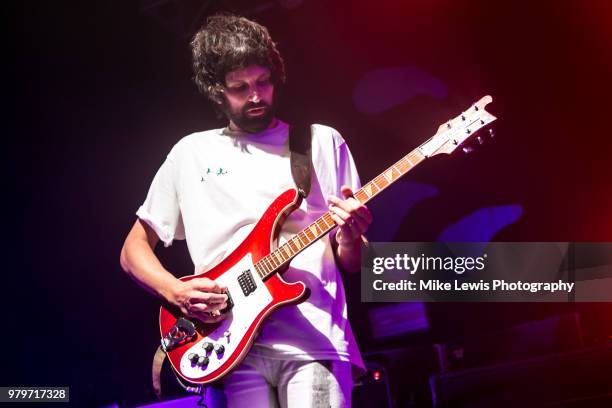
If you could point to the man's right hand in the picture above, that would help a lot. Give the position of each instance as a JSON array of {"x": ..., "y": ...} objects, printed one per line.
[{"x": 201, "y": 298}]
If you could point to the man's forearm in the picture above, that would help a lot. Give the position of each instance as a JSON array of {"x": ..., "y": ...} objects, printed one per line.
[{"x": 140, "y": 262}]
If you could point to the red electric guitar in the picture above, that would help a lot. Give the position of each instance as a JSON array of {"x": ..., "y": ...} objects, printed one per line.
[{"x": 202, "y": 353}]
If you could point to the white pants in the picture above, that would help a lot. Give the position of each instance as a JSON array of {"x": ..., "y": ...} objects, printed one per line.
[{"x": 267, "y": 382}]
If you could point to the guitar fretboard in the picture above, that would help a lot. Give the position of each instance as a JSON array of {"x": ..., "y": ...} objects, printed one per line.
[{"x": 271, "y": 263}]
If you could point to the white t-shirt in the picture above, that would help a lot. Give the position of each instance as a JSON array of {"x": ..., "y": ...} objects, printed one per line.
[{"x": 213, "y": 188}]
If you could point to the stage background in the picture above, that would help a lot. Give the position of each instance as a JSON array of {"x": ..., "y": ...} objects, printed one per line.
[{"x": 98, "y": 92}]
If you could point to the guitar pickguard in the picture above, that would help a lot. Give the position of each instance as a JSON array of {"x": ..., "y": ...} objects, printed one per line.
[{"x": 250, "y": 297}]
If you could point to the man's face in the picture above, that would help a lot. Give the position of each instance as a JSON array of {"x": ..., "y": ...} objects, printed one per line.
[{"x": 249, "y": 98}]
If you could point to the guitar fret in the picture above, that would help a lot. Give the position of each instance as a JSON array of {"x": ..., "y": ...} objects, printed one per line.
[
  {"x": 308, "y": 234},
  {"x": 384, "y": 181},
  {"x": 269, "y": 263},
  {"x": 362, "y": 193},
  {"x": 323, "y": 227},
  {"x": 262, "y": 266},
  {"x": 258, "y": 269},
  {"x": 415, "y": 157},
  {"x": 262, "y": 269},
  {"x": 313, "y": 228},
  {"x": 324, "y": 220},
  {"x": 298, "y": 242},
  {"x": 285, "y": 252},
  {"x": 359, "y": 196},
  {"x": 292, "y": 245},
  {"x": 375, "y": 185},
  {"x": 311, "y": 237},
  {"x": 407, "y": 163},
  {"x": 329, "y": 221},
  {"x": 389, "y": 175},
  {"x": 376, "y": 182}
]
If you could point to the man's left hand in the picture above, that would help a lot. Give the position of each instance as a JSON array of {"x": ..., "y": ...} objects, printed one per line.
[{"x": 352, "y": 217}]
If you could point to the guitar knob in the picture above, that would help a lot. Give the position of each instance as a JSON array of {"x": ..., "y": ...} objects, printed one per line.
[
  {"x": 219, "y": 349},
  {"x": 202, "y": 361},
  {"x": 193, "y": 357},
  {"x": 480, "y": 141},
  {"x": 208, "y": 347}
]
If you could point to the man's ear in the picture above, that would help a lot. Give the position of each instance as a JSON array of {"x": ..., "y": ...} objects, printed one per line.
[
  {"x": 216, "y": 98},
  {"x": 216, "y": 94}
]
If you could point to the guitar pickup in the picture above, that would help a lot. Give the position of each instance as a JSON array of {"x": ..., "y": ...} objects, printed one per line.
[{"x": 247, "y": 283}]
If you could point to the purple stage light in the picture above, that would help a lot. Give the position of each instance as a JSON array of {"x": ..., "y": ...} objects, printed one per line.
[
  {"x": 385, "y": 88},
  {"x": 391, "y": 208},
  {"x": 482, "y": 224}
]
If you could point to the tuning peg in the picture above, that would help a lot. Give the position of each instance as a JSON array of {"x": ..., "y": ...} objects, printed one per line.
[
  {"x": 491, "y": 133},
  {"x": 480, "y": 141},
  {"x": 468, "y": 150}
]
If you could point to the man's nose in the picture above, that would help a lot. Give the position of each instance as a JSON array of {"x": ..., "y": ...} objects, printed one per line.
[{"x": 254, "y": 97}]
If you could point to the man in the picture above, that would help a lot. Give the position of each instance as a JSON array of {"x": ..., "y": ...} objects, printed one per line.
[{"x": 212, "y": 189}]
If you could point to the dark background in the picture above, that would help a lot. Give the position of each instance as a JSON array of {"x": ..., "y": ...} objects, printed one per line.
[{"x": 100, "y": 91}]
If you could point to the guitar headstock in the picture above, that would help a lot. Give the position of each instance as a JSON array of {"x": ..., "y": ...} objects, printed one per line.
[{"x": 455, "y": 132}]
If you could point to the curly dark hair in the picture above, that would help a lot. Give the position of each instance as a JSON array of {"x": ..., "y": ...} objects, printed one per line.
[{"x": 227, "y": 42}]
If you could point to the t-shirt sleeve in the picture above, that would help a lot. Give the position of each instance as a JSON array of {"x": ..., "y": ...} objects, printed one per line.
[
  {"x": 345, "y": 166},
  {"x": 161, "y": 209}
]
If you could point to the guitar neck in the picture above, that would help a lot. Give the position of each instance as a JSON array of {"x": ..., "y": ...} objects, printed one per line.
[{"x": 274, "y": 261}]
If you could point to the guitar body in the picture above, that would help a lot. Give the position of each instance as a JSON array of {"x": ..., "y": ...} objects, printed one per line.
[{"x": 237, "y": 332}]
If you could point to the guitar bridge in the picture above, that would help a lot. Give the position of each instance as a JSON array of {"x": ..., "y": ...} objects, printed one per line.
[
  {"x": 247, "y": 283},
  {"x": 182, "y": 332}
]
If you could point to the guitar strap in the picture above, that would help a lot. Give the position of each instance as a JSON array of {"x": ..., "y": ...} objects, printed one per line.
[
  {"x": 300, "y": 141},
  {"x": 158, "y": 362}
]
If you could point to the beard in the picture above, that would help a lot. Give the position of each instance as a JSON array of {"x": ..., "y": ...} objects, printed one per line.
[{"x": 250, "y": 124}]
